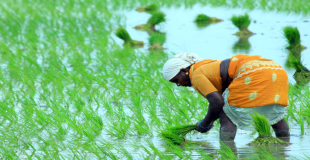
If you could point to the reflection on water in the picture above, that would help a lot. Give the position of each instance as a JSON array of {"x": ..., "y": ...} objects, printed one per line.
[{"x": 242, "y": 46}]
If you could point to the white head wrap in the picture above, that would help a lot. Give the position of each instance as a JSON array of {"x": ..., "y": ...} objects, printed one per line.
[{"x": 173, "y": 66}]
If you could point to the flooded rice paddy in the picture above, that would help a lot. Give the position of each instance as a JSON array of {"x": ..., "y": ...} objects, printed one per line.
[
  {"x": 216, "y": 41},
  {"x": 71, "y": 90}
]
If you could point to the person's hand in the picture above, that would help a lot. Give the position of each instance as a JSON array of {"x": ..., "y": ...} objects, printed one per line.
[{"x": 203, "y": 129}]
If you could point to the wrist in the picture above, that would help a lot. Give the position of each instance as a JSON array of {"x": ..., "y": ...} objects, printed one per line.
[{"x": 200, "y": 125}]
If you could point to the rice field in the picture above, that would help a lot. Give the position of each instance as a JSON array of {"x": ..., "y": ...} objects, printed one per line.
[{"x": 70, "y": 89}]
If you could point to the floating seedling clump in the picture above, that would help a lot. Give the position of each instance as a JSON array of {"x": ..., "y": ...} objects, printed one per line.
[
  {"x": 124, "y": 35},
  {"x": 150, "y": 8},
  {"x": 242, "y": 23},
  {"x": 292, "y": 36},
  {"x": 262, "y": 126},
  {"x": 203, "y": 20},
  {"x": 156, "y": 18}
]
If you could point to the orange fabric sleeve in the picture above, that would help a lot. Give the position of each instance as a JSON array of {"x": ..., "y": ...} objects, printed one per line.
[
  {"x": 203, "y": 85},
  {"x": 206, "y": 78}
]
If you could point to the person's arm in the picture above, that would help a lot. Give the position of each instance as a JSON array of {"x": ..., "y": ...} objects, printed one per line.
[
  {"x": 204, "y": 86},
  {"x": 216, "y": 103}
]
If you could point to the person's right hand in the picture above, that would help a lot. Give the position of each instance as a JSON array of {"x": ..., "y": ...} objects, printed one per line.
[{"x": 203, "y": 129}]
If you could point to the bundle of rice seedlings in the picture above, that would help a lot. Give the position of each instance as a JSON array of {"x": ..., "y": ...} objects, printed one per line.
[
  {"x": 201, "y": 18},
  {"x": 124, "y": 35},
  {"x": 172, "y": 138},
  {"x": 262, "y": 127},
  {"x": 182, "y": 130},
  {"x": 175, "y": 135},
  {"x": 150, "y": 8},
  {"x": 156, "y": 41},
  {"x": 295, "y": 62},
  {"x": 302, "y": 78},
  {"x": 302, "y": 74},
  {"x": 156, "y": 18},
  {"x": 292, "y": 36},
  {"x": 242, "y": 22}
]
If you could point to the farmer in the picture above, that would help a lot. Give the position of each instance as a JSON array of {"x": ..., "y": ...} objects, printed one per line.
[{"x": 235, "y": 88}]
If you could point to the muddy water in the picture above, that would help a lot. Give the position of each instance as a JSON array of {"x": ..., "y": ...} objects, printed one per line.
[{"x": 216, "y": 41}]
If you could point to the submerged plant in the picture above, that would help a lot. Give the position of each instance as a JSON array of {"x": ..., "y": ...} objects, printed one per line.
[
  {"x": 156, "y": 41},
  {"x": 124, "y": 35},
  {"x": 242, "y": 22},
  {"x": 262, "y": 127},
  {"x": 156, "y": 18},
  {"x": 292, "y": 36},
  {"x": 150, "y": 8}
]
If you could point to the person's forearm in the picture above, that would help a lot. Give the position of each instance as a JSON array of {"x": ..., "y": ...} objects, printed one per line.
[{"x": 213, "y": 113}]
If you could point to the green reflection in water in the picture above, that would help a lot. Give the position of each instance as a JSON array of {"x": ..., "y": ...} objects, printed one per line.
[{"x": 242, "y": 45}]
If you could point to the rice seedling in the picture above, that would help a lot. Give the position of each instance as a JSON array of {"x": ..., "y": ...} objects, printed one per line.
[
  {"x": 150, "y": 8},
  {"x": 262, "y": 127},
  {"x": 292, "y": 36},
  {"x": 176, "y": 135},
  {"x": 124, "y": 35},
  {"x": 242, "y": 22},
  {"x": 155, "y": 19},
  {"x": 302, "y": 74},
  {"x": 203, "y": 19},
  {"x": 156, "y": 41},
  {"x": 226, "y": 152}
]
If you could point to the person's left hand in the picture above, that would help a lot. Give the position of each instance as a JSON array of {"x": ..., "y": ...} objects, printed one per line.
[{"x": 203, "y": 129}]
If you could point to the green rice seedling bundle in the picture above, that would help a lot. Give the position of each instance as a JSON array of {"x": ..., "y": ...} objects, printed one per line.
[
  {"x": 302, "y": 74},
  {"x": 156, "y": 18},
  {"x": 124, "y": 35},
  {"x": 175, "y": 135},
  {"x": 292, "y": 36},
  {"x": 296, "y": 63},
  {"x": 262, "y": 127},
  {"x": 202, "y": 18},
  {"x": 151, "y": 8},
  {"x": 156, "y": 41},
  {"x": 242, "y": 22}
]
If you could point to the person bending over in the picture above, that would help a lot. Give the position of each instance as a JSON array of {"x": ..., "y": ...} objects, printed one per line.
[{"x": 235, "y": 88}]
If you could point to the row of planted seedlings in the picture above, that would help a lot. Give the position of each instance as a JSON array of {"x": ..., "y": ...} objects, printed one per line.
[
  {"x": 60, "y": 123},
  {"x": 53, "y": 91},
  {"x": 298, "y": 7},
  {"x": 157, "y": 38},
  {"x": 299, "y": 92}
]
